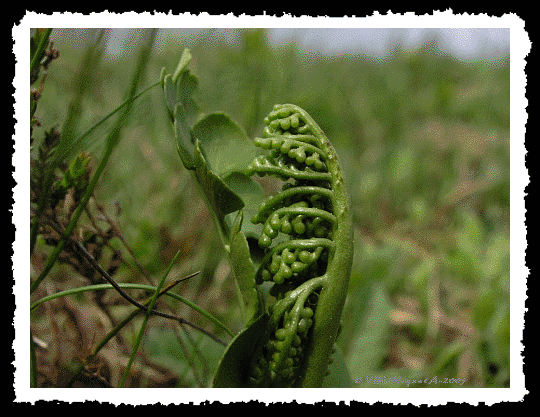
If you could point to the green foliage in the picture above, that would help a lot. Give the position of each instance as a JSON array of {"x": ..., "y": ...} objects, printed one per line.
[
  {"x": 314, "y": 212},
  {"x": 75, "y": 186},
  {"x": 314, "y": 263},
  {"x": 423, "y": 139},
  {"x": 214, "y": 147}
]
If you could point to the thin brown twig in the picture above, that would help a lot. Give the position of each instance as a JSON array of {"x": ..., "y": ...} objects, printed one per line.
[
  {"x": 105, "y": 275},
  {"x": 82, "y": 250}
]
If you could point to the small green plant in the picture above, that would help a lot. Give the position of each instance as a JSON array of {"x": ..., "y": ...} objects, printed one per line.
[{"x": 292, "y": 280}]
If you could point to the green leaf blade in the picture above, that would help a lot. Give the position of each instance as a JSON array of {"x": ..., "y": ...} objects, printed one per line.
[
  {"x": 185, "y": 59},
  {"x": 252, "y": 194},
  {"x": 225, "y": 143},
  {"x": 222, "y": 199},
  {"x": 233, "y": 368}
]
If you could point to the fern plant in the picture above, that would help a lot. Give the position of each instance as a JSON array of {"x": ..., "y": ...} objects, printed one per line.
[{"x": 291, "y": 278}]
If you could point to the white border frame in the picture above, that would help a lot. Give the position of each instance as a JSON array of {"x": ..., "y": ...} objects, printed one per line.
[{"x": 520, "y": 47}]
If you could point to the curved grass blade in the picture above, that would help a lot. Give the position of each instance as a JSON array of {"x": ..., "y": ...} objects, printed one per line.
[{"x": 127, "y": 285}]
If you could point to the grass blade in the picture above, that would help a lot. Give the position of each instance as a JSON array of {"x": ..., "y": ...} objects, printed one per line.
[{"x": 145, "y": 320}]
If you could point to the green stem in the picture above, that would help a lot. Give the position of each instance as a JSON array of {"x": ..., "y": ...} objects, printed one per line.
[{"x": 300, "y": 293}]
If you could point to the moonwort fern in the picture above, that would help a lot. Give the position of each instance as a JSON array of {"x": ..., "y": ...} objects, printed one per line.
[
  {"x": 309, "y": 270},
  {"x": 292, "y": 282}
]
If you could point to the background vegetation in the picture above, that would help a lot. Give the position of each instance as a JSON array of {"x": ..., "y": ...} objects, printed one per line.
[{"x": 424, "y": 142}]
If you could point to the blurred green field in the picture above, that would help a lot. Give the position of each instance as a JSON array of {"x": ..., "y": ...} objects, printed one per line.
[{"x": 424, "y": 143}]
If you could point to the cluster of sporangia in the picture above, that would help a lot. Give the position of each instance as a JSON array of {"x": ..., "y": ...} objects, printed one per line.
[{"x": 303, "y": 211}]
